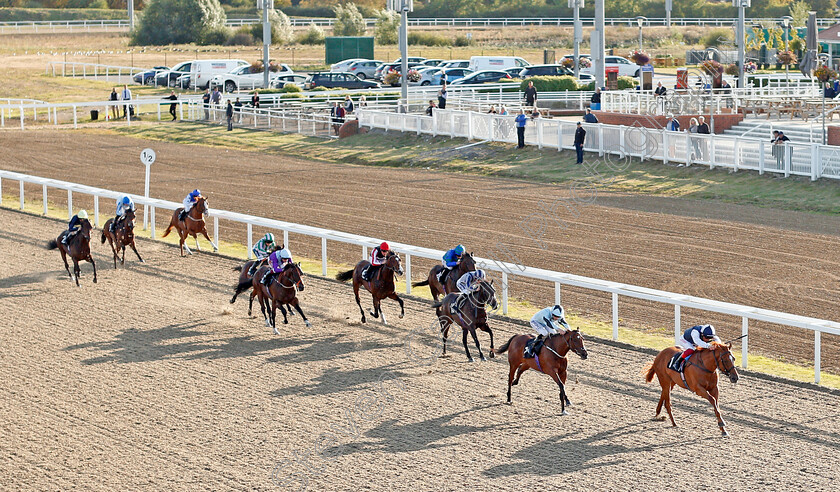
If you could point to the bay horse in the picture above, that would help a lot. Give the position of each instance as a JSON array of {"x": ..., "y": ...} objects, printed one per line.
[
  {"x": 281, "y": 291},
  {"x": 380, "y": 286},
  {"x": 78, "y": 247},
  {"x": 472, "y": 316},
  {"x": 244, "y": 283},
  {"x": 192, "y": 225},
  {"x": 467, "y": 264},
  {"x": 550, "y": 360},
  {"x": 122, "y": 236},
  {"x": 700, "y": 376}
]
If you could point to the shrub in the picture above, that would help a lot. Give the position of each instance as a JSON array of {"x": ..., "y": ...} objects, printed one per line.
[
  {"x": 387, "y": 26},
  {"x": 392, "y": 78},
  {"x": 241, "y": 37},
  {"x": 717, "y": 37},
  {"x": 427, "y": 39},
  {"x": 461, "y": 40},
  {"x": 731, "y": 69},
  {"x": 287, "y": 88},
  {"x": 550, "y": 83},
  {"x": 348, "y": 21},
  {"x": 281, "y": 28},
  {"x": 178, "y": 21},
  {"x": 216, "y": 36},
  {"x": 313, "y": 35},
  {"x": 625, "y": 83}
]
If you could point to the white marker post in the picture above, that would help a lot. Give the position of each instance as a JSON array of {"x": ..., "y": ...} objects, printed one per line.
[{"x": 147, "y": 157}]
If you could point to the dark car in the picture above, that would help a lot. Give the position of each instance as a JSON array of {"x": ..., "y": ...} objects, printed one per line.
[
  {"x": 343, "y": 80},
  {"x": 168, "y": 77},
  {"x": 148, "y": 77},
  {"x": 535, "y": 70},
  {"x": 482, "y": 77}
]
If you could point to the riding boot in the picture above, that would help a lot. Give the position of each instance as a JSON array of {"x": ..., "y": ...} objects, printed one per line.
[
  {"x": 253, "y": 269},
  {"x": 266, "y": 280}
]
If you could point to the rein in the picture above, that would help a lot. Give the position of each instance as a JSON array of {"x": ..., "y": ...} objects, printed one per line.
[{"x": 717, "y": 365}]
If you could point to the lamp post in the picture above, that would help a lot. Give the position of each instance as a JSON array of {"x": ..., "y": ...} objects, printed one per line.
[
  {"x": 740, "y": 37},
  {"x": 576, "y": 5},
  {"x": 403, "y": 7},
  {"x": 640, "y": 20},
  {"x": 785, "y": 23},
  {"x": 265, "y": 6},
  {"x": 596, "y": 43}
]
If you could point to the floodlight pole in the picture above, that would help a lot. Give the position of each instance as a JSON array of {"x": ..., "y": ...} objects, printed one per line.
[
  {"x": 266, "y": 5},
  {"x": 669, "y": 5},
  {"x": 578, "y": 33},
  {"x": 130, "y": 4},
  {"x": 404, "y": 55},
  {"x": 596, "y": 41},
  {"x": 740, "y": 33}
]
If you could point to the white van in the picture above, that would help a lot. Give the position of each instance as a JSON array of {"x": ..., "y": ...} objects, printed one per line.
[
  {"x": 203, "y": 71},
  {"x": 496, "y": 62}
]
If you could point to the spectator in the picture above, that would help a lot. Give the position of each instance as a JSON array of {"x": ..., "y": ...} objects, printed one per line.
[
  {"x": 776, "y": 149},
  {"x": 337, "y": 114},
  {"x": 442, "y": 97},
  {"x": 521, "y": 120},
  {"x": 362, "y": 102},
  {"x": 126, "y": 96},
  {"x": 348, "y": 104},
  {"x": 172, "y": 97},
  {"x": 828, "y": 91},
  {"x": 492, "y": 110},
  {"x": 535, "y": 114},
  {"x": 229, "y": 115},
  {"x": 695, "y": 142},
  {"x": 784, "y": 157},
  {"x": 703, "y": 129},
  {"x": 673, "y": 123},
  {"x": 115, "y": 109},
  {"x": 255, "y": 100},
  {"x": 660, "y": 90},
  {"x": 205, "y": 99},
  {"x": 595, "y": 102},
  {"x": 589, "y": 117},
  {"x": 217, "y": 97},
  {"x": 531, "y": 95},
  {"x": 237, "y": 108},
  {"x": 580, "y": 138},
  {"x": 431, "y": 107},
  {"x": 503, "y": 111}
]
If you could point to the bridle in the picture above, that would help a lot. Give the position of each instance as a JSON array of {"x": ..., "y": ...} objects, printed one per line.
[
  {"x": 293, "y": 284},
  {"x": 718, "y": 364},
  {"x": 203, "y": 211}
]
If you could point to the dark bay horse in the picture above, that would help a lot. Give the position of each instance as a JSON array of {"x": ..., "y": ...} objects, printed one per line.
[
  {"x": 280, "y": 291},
  {"x": 471, "y": 316},
  {"x": 700, "y": 376},
  {"x": 467, "y": 264},
  {"x": 192, "y": 225},
  {"x": 550, "y": 360},
  {"x": 381, "y": 285},
  {"x": 244, "y": 283},
  {"x": 78, "y": 247},
  {"x": 122, "y": 236}
]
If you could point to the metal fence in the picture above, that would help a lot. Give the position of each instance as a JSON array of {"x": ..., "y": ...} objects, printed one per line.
[{"x": 554, "y": 279}]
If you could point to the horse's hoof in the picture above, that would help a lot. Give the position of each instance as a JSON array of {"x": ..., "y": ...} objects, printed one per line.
[
  {"x": 724, "y": 434},
  {"x": 470, "y": 360},
  {"x": 233, "y": 300},
  {"x": 401, "y": 316},
  {"x": 568, "y": 403},
  {"x": 483, "y": 359},
  {"x": 94, "y": 280},
  {"x": 564, "y": 413},
  {"x": 142, "y": 261},
  {"x": 285, "y": 322},
  {"x": 364, "y": 320},
  {"x": 659, "y": 418},
  {"x": 267, "y": 323},
  {"x": 307, "y": 323},
  {"x": 276, "y": 332}
]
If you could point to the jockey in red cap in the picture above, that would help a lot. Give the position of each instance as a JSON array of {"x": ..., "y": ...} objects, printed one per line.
[{"x": 377, "y": 259}]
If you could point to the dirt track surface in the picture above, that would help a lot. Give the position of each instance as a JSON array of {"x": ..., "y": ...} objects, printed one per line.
[
  {"x": 772, "y": 259},
  {"x": 150, "y": 380}
]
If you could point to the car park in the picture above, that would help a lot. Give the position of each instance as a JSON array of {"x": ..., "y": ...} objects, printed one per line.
[
  {"x": 148, "y": 77},
  {"x": 245, "y": 78},
  {"x": 411, "y": 59},
  {"x": 427, "y": 74},
  {"x": 482, "y": 77},
  {"x": 515, "y": 72},
  {"x": 451, "y": 74},
  {"x": 550, "y": 70},
  {"x": 280, "y": 81},
  {"x": 364, "y": 69},
  {"x": 343, "y": 80},
  {"x": 203, "y": 71}
]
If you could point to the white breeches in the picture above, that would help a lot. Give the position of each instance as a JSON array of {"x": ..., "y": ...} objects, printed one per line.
[
  {"x": 685, "y": 344},
  {"x": 541, "y": 329}
]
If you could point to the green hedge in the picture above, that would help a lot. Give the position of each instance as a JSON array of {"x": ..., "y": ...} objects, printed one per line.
[{"x": 22, "y": 14}]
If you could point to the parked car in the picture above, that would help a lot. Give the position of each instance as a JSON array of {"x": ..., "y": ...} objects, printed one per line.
[
  {"x": 383, "y": 69},
  {"x": 455, "y": 64},
  {"x": 412, "y": 59},
  {"x": 537, "y": 70},
  {"x": 183, "y": 81},
  {"x": 515, "y": 72},
  {"x": 626, "y": 68},
  {"x": 482, "y": 77},
  {"x": 343, "y": 80},
  {"x": 280, "y": 81},
  {"x": 364, "y": 69},
  {"x": 434, "y": 62},
  {"x": 203, "y": 71},
  {"x": 148, "y": 77},
  {"x": 479, "y": 63},
  {"x": 451, "y": 74},
  {"x": 167, "y": 78},
  {"x": 343, "y": 65},
  {"x": 426, "y": 75},
  {"x": 244, "y": 78}
]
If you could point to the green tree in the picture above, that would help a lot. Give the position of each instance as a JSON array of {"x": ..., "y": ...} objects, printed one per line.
[
  {"x": 387, "y": 26},
  {"x": 281, "y": 28},
  {"x": 799, "y": 12},
  {"x": 178, "y": 22},
  {"x": 348, "y": 21}
]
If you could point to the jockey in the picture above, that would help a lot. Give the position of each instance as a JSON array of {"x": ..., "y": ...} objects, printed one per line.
[
  {"x": 696, "y": 337},
  {"x": 543, "y": 323},
  {"x": 123, "y": 205},
  {"x": 451, "y": 259},
  {"x": 188, "y": 203},
  {"x": 261, "y": 250},
  {"x": 74, "y": 226},
  {"x": 377, "y": 259},
  {"x": 277, "y": 261},
  {"x": 468, "y": 283}
]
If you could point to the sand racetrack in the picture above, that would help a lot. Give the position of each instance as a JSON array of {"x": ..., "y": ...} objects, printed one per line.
[
  {"x": 150, "y": 380},
  {"x": 773, "y": 259}
]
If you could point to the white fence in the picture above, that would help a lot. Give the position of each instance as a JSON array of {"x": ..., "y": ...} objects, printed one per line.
[
  {"x": 732, "y": 152},
  {"x": 555, "y": 279}
]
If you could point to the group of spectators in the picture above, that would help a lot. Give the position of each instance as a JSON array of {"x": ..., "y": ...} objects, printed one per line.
[{"x": 128, "y": 109}]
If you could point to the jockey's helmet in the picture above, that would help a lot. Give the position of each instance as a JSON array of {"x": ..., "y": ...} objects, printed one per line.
[
  {"x": 459, "y": 250},
  {"x": 479, "y": 274},
  {"x": 82, "y": 214},
  {"x": 195, "y": 193},
  {"x": 285, "y": 254},
  {"x": 126, "y": 200},
  {"x": 269, "y": 237},
  {"x": 708, "y": 331},
  {"x": 384, "y": 247},
  {"x": 558, "y": 312}
]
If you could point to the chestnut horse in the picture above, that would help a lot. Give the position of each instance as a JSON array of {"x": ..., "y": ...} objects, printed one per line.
[
  {"x": 380, "y": 286},
  {"x": 122, "y": 236},
  {"x": 700, "y": 376},
  {"x": 281, "y": 291},
  {"x": 78, "y": 247},
  {"x": 471, "y": 316},
  {"x": 551, "y": 360},
  {"x": 192, "y": 225},
  {"x": 467, "y": 264}
]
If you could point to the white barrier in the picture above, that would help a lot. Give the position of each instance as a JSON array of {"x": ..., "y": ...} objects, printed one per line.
[{"x": 555, "y": 279}]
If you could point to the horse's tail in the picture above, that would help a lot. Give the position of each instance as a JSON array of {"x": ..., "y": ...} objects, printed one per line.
[
  {"x": 506, "y": 346},
  {"x": 243, "y": 286},
  {"x": 437, "y": 304},
  {"x": 420, "y": 284},
  {"x": 345, "y": 276},
  {"x": 237, "y": 268},
  {"x": 169, "y": 229},
  {"x": 53, "y": 244},
  {"x": 650, "y": 372},
  {"x": 102, "y": 237}
]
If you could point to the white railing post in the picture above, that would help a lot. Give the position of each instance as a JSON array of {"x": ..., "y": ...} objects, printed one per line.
[
  {"x": 677, "y": 323},
  {"x": 745, "y": 326},
  {"x": 539, "y": 127},
  {"x": 285, "y": 238},
  {"x": 69, "y": 204},
  {"x": 817, "y": 356},
  {"x": 21, "y": 194},
  {"x": 816, "y": 162},
  {"x": 324, "y": 256},
  {"x": 737, "y": 157},
  {"x": 666, "y": 151},
  {"x": 615, "y": 315},
  {"x": 21, "y": 117},
  {"x": 364, "y": 252},
  {"x": 216, "y": 230},
  {"x": 75, "y": 118},
  {"x": 408, "y": 274},
  {"x": 556, "y": 292},
  {"x": 504, "y": 293},
  {"x": 152, "y": 223},
  {"x": 96, "y": 210},
  {"x": 711, "y": 153},
  {"x": 45, "y": 200},
  {"x": 250, "y": 240},
  {"x": 760, "y": 157},
  {"x": 600, "y": 139},
  {"x": 786, "y": 158}
]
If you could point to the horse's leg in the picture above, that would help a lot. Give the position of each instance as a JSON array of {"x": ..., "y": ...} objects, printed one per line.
[
  {"x": 667, "y": 393},
  {"x": 113, "y": 249},
  {"x": 204, "y": 233},
  {"x": 283, "y": 310},
  {"x": 274, "y": 304},
  {"x": 466, "y": 349},
  {"x": 296, "y": 304},
  {"x": 666, "y": 385},
  {"x": 134, "y": 247},
  {"x": 358, "y": 301},
  {"x": 90, "y": 259},
  {"x": 519, "y": 370},
  {"x": 375, "y": 311},
  {"x": 477, "y": 345},
  {"x": 486, "y": 327},
  {"x": 713, "y": 400},
  {"x": 563, "y": 376},
  {"x": 197, "y": 246},
  {"x": 182, "y": 234},
  {"x": 77, "y": 270},
  {"x": 556, "y": 378},
  {"x": 64, "y": 258},
  {"x": 381, "y": 312},
  {"x": 264, "y": 308},
  {"x": 122, "y": 260},
  {"x": 513, "y": 370},
  {"x": 251, "y": 301},
  {"x": 445, "y": 323},
  {"x": 395, "y": 297}
]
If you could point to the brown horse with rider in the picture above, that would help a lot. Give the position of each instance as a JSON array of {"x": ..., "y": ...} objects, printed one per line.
[
  {"x": 381, "y": 284},
  {"x": 466, "y": 264},
  {"x": 469, "y": 313},
  {"x": 191, "y": 224},
  {"x": 280, "y": 291},
  {"x": 121, "y": 236},
  {"x": 77, "y": 247}
]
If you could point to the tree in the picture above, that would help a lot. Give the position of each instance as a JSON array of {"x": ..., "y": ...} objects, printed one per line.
[
  {"x": 387, "y": 26},
  {"x": 799, "y": 12},
  {"x": 348, "y": 21},
  {"x": 281, "y": 28},
  {"x": 178, "y": 22}
]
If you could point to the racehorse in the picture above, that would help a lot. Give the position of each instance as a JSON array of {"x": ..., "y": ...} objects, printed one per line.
[
  {"x": 192, "y": 225},
  {"x": 551, "y": 361},
  {"x": 380, "y": 286},
  {"x": 244, "y": 282},
  {"x": 471, "y": 316},
  {"x": 280, "y": 291},
  {"x": 700, "y": 376},
  {"x": 122, "y": 236},
  {"x": 78, "y": 248},
  {"x": 467, "y": 264}
]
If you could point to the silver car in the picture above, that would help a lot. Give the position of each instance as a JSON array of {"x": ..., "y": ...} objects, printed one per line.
[{"x": 364, "y": 69}]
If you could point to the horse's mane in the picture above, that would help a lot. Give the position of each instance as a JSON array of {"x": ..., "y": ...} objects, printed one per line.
[{"x": 717, "y": 345}]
